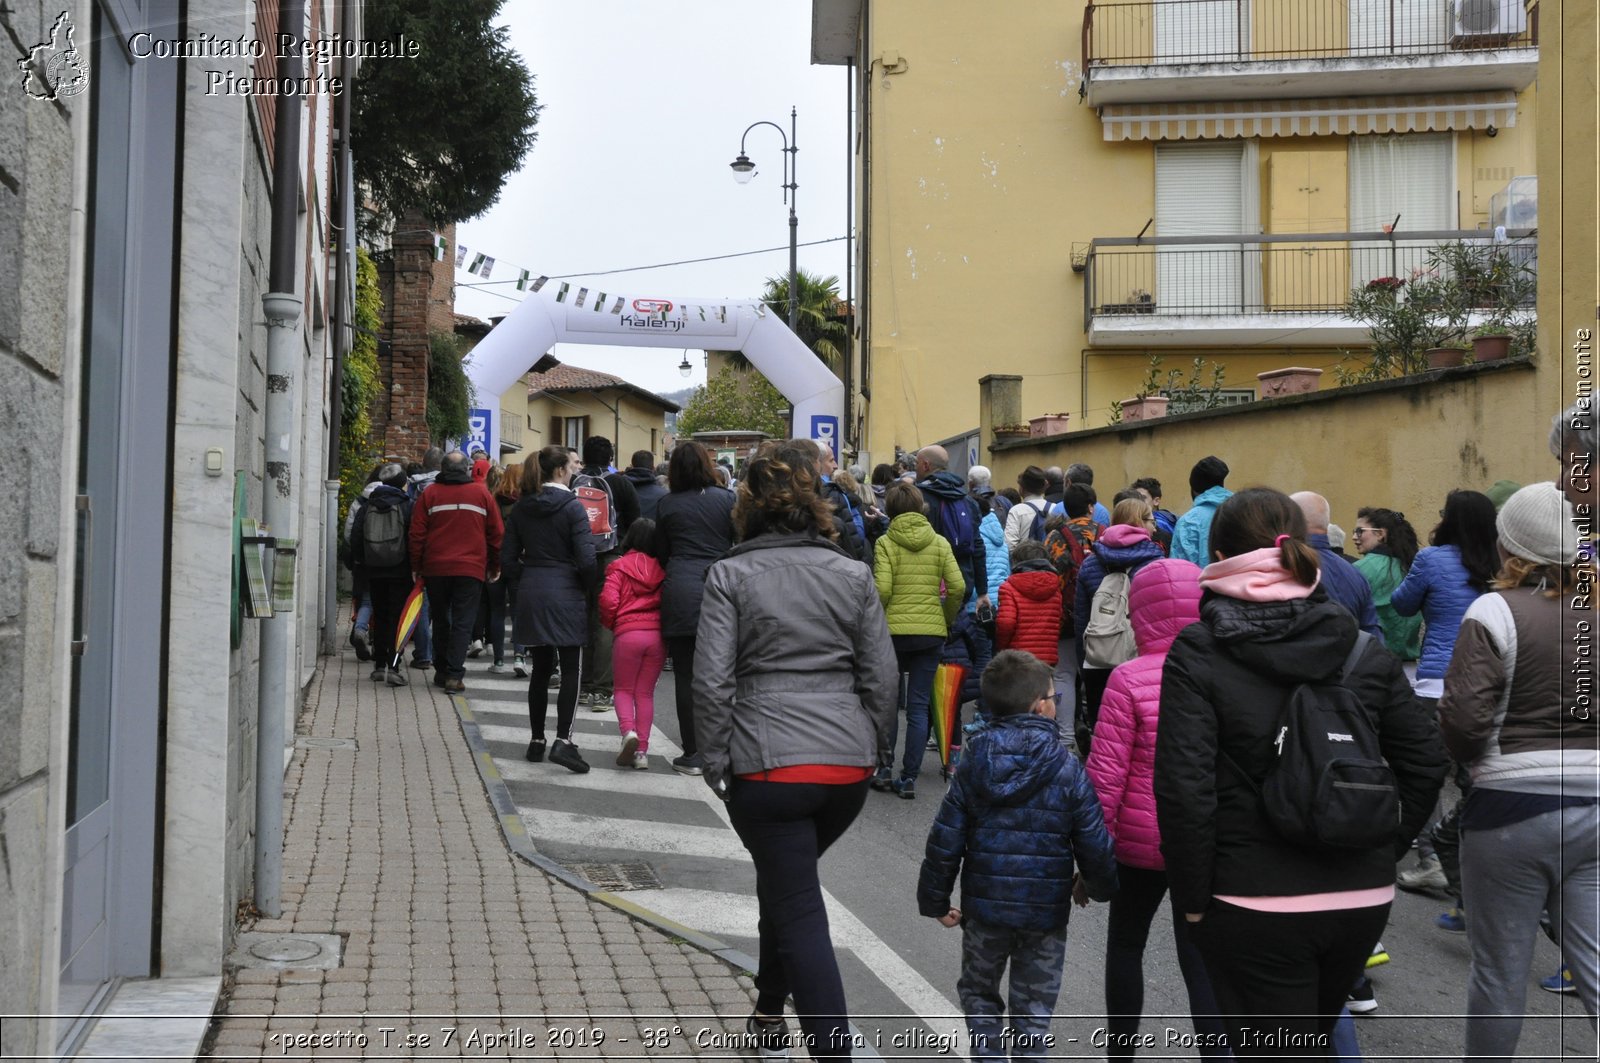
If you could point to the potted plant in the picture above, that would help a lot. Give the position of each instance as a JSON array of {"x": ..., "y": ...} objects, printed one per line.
[
  {"x": 1491, "y": 342},
  {"x": 1294, "y": 380},
  {"x": 1004, "y": 433},
  {"x": 1048, "y": 425},
  {"x": 1446, "y": 357}
]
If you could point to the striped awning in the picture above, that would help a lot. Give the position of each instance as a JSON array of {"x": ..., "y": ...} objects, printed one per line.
[{"x": 1301, "y": 118}]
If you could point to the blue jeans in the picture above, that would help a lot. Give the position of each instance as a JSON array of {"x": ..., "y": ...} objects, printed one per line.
[
  {"x": 364, "y": 613},
  {"x": 917, "y": 668}
]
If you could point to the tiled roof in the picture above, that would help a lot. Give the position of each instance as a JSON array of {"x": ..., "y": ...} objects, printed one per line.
[{"x": 565, "y": 378}]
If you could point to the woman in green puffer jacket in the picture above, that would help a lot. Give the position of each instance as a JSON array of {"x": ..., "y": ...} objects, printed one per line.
[
  {"x": 1388, "y": 544},
  {"x": 921, "y": 588}
]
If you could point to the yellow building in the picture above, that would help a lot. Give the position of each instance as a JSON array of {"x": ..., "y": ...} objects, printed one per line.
[
  {"x": 567, "y": 404},
  {"x": 1059, "y": 190}
]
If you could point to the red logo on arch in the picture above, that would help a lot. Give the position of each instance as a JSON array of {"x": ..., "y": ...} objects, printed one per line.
[{"x": 652, "y": 306}]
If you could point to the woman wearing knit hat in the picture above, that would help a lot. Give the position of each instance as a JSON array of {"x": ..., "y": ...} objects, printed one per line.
[{"x": 1512, "y": 712}]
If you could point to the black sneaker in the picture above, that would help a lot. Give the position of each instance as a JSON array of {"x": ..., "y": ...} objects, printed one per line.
[
  {"x": 564, "y": 753},
  {"x": 395, "y": 678},
  {"x": 905, "y": 789},
  {"x": 424, "y": 663},
  {"x": 689, "y": 764},
  {"x": 377, "y": 675},
  {"x": 769, "y": 1036},
  {"x": 1362, "y": 1000},
  {"x": 883, "y": 780},
  {"x": 363, "y": 645},
  {"x": 535, "y": 751}
]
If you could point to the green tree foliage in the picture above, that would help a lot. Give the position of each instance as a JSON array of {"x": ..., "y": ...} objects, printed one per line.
[
  {"x": 450, "y": 393},
  {"x": 361, "y": 385},
  {"x": 733, "y": 401},
  {"x": 438, "y": 134},
  {"x": 817, "y": 323}
]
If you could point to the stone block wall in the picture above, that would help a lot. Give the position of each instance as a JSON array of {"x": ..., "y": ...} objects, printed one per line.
[{"x": 36, "y": 168}]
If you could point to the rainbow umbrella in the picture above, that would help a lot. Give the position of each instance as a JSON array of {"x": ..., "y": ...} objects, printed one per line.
[
  {"x": 409, "y": 614},
  {"x": 945, "y": 705}
]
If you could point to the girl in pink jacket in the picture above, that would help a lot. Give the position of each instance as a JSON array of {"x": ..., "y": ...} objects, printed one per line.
[
  {"x": 1163, "y": 599},
  {"x": 630, "y": 606}
]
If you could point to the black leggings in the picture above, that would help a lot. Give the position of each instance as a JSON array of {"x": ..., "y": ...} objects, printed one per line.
[
  {"x": 543, "y": 660},
  {"x": 1133, "y": 909},
  {"x": 787, "y": 827},
  {"x": 681, "y": 650}
]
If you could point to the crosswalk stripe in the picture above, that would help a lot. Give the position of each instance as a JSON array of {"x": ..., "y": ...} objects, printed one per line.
[
  {"x": 611, "y": 832},
  {"x": 659, "y": 781},
  {"x": 588, "y": 739}
]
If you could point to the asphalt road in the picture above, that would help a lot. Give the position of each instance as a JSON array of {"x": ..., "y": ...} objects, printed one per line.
[{"x": 899, "y": 967}]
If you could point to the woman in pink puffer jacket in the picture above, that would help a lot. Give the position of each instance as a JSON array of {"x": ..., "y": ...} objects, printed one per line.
[{"x": 1163, "y": 599}]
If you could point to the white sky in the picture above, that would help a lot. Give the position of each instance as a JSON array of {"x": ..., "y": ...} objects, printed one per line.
[{"x": 644, "y": 105}]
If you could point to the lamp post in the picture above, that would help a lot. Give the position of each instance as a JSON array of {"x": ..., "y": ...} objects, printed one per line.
[{"x": 744, "y": 169}]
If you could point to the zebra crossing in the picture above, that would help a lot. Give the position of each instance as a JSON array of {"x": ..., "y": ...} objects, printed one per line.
[{"x": 671, "y": 822}]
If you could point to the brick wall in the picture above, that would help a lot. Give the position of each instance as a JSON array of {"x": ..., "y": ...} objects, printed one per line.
[{"x": 418, "y": 299}]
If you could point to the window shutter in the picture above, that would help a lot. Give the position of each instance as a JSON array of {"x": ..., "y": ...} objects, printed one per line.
[
  {"x": 1409, "y": 175},
  {"x": 1199, "y": 192}
]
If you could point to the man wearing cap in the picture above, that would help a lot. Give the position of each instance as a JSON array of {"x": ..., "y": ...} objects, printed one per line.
[{"x": 455, "y": 542}]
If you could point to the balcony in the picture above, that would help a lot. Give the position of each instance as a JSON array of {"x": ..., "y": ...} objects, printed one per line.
[
  {"x": 1153, "y": 51},
  {"x": 510, "y": 430},
  {"x": 1284, "y": 290}
]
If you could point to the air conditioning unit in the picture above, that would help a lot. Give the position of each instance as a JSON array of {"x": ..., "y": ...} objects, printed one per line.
[{"x": 1488, "y": 23}]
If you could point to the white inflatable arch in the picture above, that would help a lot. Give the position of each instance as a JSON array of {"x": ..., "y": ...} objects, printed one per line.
[{"x": 556, "y": 313}]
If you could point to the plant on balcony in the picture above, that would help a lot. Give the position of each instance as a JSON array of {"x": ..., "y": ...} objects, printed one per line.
[
  {"x": 1434, "y": 308},
  {"x": 1173, "y": 391}
]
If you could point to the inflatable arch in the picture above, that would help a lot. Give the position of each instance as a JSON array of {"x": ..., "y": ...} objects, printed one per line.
[{"x": 555, "y": 313}]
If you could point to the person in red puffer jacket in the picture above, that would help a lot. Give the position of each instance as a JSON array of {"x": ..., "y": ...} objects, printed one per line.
[
  {"x": 630, "y": 608},
  {"x": 1029, "y": 617},
  {"x": 1163, "y": 599}
]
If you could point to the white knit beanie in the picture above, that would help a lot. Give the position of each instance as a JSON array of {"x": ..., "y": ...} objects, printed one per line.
[{"x": 1536, "y": 524}]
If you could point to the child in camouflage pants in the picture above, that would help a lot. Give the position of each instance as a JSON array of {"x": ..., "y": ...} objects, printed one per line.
[{"x": 1020, "y": 810}]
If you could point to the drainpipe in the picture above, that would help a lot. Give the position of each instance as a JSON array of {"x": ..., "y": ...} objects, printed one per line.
[
  {"x": 283, "y": 308},
  {"x": 342, "y": 342}
]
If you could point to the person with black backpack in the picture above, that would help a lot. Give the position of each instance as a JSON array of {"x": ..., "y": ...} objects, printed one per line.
[
  {"x": 955, "y": 515},
  {"x": 380, "y": 529},
  {"x": 1293, "y": 767}
]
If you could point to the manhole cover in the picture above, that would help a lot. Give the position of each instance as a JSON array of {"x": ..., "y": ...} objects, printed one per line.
[
  {"x": 313, "y": 742},
  {"x": 618, "y": 877},
  {"x": 281, "y": 951}
]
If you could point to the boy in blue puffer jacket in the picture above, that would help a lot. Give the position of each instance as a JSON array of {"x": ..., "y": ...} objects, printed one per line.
[{"x": 1020, "y": 809}]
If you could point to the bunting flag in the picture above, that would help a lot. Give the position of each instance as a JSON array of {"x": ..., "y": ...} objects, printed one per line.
[
  {"x": 485, "y": 267},
  {"x": 522, "y": 280},
  {"x": 461, "y": 254},
  {"x": 410, "y": 613},
  {"x": 439, "y": 247},
  {"x": 945, "y": 705},
  {"x": 477, "y": 260}
]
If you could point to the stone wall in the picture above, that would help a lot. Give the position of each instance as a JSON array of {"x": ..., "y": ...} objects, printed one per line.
[{"x": 37, "y": 237}]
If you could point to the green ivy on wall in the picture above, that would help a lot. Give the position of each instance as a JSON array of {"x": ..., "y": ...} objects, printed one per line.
[{"x": 361, "y": 386}]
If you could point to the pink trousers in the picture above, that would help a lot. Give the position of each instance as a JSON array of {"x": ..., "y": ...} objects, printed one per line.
[{"x": 636, "y": 660}]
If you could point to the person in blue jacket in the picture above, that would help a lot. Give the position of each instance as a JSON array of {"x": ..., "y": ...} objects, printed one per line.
[
  {"x": 1191, "y": 535},
  {"x": 1020, "y": 811}
]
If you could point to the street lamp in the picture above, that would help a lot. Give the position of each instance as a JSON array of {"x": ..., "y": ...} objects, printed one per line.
[
  {"x": 685, "y": 370},
  {"x": 744, "y": 169}
]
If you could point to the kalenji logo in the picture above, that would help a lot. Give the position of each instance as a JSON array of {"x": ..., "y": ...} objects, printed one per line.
[
  {"x": 55, "y": 69},
  {"x": 652, "y": 306}
]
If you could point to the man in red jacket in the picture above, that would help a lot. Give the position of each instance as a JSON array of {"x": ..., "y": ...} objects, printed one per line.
[{"x": 455, "y": 542}]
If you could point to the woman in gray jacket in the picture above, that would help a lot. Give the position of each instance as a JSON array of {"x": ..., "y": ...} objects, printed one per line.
[{"x": 795, "y": 689}]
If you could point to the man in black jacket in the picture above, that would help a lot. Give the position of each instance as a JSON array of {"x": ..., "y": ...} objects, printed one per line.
[
  {"x": 938, "y": 484},
  {"x": 641, "y": 474},
  {"x": 597, "y": 680}
]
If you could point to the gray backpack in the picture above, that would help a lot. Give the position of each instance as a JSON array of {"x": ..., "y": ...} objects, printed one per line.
[
  {"x": 383, "y": 536},
  {"x": 1108, "y": 640}
]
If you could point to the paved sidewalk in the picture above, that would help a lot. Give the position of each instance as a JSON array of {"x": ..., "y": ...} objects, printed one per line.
[{"x": 450, "y": 940}]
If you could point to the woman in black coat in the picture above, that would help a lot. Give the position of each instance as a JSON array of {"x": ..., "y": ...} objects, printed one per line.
[
  {"x": 694, "y": 527},
  {"x": 548, "y": 549},
  {"x": 1285, "y": 927}
]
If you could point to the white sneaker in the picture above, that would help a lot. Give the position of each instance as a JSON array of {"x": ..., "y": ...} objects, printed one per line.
[
  {"x": 1427, "y": 875},
  {"x": 499, "y": 668},
  {"x": 641, "y": 762},
  {"x": 519, "y": 665},
  {"x": 476, "y": 649},
  {"x": 630, "y": 746}
]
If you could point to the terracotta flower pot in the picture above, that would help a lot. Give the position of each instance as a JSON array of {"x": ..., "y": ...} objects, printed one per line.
[
  {"x": 1445, "y": 357},
  {"x": 1048, "y": 425},
  {"x": 1490, "y": 348},
  {"x": 1295, "y": 380},
  {"x": 1151, "y": 406}
]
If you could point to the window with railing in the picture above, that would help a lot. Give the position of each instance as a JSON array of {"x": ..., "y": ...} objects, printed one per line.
[{"x": 1151, "y": 32}]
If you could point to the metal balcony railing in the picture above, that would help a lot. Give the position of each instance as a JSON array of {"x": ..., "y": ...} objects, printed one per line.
[
  {"x": 511, "y": 428},
  {"x": 1247, "y": 274},
  {"x": 1153, "y": 32}
]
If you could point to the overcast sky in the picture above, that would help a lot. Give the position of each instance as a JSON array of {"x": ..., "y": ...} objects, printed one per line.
[{"x": 643, "y": 109}]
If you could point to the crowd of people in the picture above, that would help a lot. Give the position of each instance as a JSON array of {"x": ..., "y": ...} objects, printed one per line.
[{"x": 1221, "y": 708}]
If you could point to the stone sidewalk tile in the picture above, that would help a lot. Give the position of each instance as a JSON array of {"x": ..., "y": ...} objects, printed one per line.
[{"x": 454, "y": 948}]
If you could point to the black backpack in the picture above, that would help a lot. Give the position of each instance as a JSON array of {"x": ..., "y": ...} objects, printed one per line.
[
  {"x": 383, "y": 536},
  {"x": 1036, "y": 530},
  {"x": 958, "y": 525},
  {"x": 1329, "y": 786}
]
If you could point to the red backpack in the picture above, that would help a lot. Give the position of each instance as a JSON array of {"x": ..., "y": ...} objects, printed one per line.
[
  {"x": 1066, "y": 547},
  {"x": 595, "y": 494}
]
